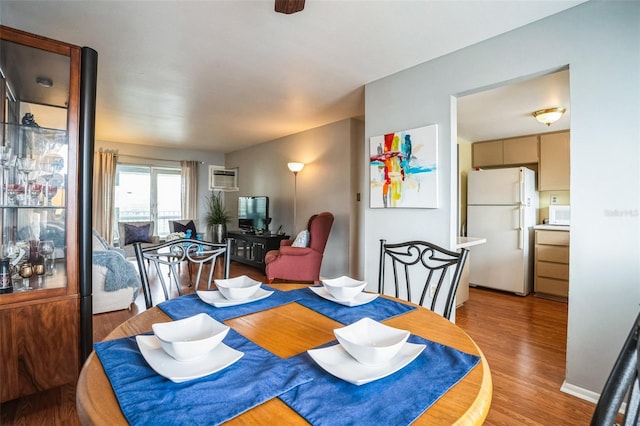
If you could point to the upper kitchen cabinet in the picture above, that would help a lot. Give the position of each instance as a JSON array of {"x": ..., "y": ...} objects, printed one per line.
[
  {"x": 47, "y": 136},
  {"x": 519, "y": 151},
  {"x": 487, "y": 153},
  {"x": 505, "y": 152},
  {"x": 554, "y": 168}
]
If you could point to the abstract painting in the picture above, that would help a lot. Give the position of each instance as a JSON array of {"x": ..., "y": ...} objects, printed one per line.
[{"x": 404, "y": 169}]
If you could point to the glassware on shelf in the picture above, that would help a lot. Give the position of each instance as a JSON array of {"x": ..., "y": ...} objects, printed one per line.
[
  {"x": 10, "y": 250},
  {"x": 32, "y": 136},
  {"x": 45, "y": 249},
  {"x": 26, "y": 272},
  {"x": 27, "y": 168},
  {"x": 50, "y": 193},
  {"x": 39, "y": 270},
  {"x": 13, "y": 189},
  {"x": 15, "y": 252},
  {"x": 36, "y": 190},
  {"x": 50, "y": 140},
  {"x": 48, "y": 166},
  {"x": 5, "y": 156},
  {"x": 57, "y": 162}
]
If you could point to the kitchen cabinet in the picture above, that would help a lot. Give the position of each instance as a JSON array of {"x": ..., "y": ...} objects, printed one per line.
[
  {"x": 43, "y": 225},
  {"x": 554, "y": 167},
  {"x": 505, "y": 152},
  {"x": 487, "y": 153},
  {"x": 552, "y": 263},
  {"x": 523, "y": 150}
]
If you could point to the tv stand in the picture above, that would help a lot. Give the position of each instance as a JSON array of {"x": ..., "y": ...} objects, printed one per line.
[{"x": 250, "y": 248}]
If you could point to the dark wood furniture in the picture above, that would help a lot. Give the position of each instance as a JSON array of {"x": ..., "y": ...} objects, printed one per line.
[
  {"x": 44, "y": 336},
  {"x": 250, "y": 249},
  {"x": 466, "y": 403}
]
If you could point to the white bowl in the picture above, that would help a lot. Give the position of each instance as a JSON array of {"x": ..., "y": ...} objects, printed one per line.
[
  {"x": 370, "y": 342},
  {"x": 344, "y": 288},
  {"x": 190, "y": 338},
  {"x": 238, "y": 288}
]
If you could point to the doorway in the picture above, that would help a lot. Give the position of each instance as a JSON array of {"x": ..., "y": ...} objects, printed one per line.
[{"x": 505, "y": 111}]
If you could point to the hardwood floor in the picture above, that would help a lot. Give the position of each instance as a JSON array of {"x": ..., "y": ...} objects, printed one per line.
[{"x": 523, "y": 338}]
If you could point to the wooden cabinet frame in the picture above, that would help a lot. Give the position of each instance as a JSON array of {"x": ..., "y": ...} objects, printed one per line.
[{"x": 42, "y": 330}]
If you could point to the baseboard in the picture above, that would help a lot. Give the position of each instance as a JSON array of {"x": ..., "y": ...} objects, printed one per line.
[{"x": 579, "y": 392}]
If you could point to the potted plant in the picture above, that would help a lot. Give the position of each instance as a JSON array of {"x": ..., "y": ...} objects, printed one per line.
[{"x": 216, "y": 218}]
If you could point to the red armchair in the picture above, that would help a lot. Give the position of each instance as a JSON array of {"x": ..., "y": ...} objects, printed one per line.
[{"x": 301, "y": 263}]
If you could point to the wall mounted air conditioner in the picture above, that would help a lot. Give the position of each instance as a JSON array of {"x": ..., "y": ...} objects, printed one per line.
[{"x": 221, "y": 179}]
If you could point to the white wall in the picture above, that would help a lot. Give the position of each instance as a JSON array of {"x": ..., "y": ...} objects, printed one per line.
[
  {"x": 324, "y": 184},
  {"x": 600, "y": 41},
  {"x": 160, "y": 156}
]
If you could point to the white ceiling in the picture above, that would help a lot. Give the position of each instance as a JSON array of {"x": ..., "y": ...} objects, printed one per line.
[
  {"x": 507, "y": 110},
  {"x": 225, "y": 75}
]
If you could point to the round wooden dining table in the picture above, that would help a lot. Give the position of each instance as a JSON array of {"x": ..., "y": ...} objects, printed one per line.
[{"x": 289, "y": 330}]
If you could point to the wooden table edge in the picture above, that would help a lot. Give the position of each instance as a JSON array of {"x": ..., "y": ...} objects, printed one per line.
[{"x": 475, "y": 414}]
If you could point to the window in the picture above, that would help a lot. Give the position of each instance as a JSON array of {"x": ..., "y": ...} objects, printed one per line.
[{"x": 148, "y": 193}]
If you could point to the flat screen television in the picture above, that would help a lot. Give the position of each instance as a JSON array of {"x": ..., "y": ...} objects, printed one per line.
[{"x": 253, "y": 213}]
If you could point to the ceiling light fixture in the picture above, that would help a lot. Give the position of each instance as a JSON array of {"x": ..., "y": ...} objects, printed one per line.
[
  {"x": 549, "y": 115},
  {"x": 44, "y": 81},
  {"x": 289, "y": 6}
]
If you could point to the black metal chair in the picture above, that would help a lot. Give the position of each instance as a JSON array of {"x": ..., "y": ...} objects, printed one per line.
[
  {"x": 172, "y": 254},
  {"x": 623, "y": 385},
  {"x": 415, "y": 259}
]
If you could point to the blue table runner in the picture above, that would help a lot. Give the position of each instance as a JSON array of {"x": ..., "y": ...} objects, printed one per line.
[
  {"x": 147, "y": 398},
  {"x": 191, "y": 304},
  {"x": 398, "y": 399},
  {"x": 379, "y": 309}
]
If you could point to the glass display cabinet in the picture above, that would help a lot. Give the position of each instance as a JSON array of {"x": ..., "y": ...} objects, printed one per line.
[{"x": 42, "y": 225}]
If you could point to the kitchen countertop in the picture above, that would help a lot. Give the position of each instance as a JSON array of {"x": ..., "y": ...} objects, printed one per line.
[
  {"x": 466, "y": 242},
  {"x": 552, "y": 227}
]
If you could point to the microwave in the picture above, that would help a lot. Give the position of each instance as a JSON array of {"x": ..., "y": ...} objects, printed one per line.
[{"x": 559, "y": 214}]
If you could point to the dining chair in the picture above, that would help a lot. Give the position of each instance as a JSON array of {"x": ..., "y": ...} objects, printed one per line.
[
  {"x": 172, "y": 254},
  {"x": 623, "y": 385},
  {"x": 438, "y": 271}
]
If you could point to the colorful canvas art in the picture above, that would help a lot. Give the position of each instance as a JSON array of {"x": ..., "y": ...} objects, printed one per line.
[{"x": 404, "y": 169}]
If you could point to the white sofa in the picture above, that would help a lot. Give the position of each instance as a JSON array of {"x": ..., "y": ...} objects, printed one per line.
[{"x": 116, "y": 299}]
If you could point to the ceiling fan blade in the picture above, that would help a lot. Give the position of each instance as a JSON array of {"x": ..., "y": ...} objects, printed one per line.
[{"x": 289, "y": 6}]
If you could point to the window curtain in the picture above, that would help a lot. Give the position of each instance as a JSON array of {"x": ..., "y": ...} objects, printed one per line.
[
  {"x": 104, "y": 175},
  {"x": 189, "y": 189}
]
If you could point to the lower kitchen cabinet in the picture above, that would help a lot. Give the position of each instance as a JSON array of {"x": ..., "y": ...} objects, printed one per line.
[{"x": 552, "y": 263}]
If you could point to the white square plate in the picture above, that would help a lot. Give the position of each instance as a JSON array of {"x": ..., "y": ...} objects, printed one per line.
[
  {"x": 338, "y": 362},
  {"x": 215, "y": 298},
  {"x": 162, "y": 363},
  {"x": 361, "y": 299}
]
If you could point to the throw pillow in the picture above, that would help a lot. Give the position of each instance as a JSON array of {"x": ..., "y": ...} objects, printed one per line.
[
  {"x": 178, "y": 227},
  {"x": 302, "y": 240},
  {"x": 136, "y": 234}
]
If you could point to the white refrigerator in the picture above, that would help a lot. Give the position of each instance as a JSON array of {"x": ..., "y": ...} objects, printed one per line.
[{"x": 502, "y": 207}]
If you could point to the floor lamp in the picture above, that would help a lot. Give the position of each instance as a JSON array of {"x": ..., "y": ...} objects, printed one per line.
[{"x": 295, "y": 168}]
